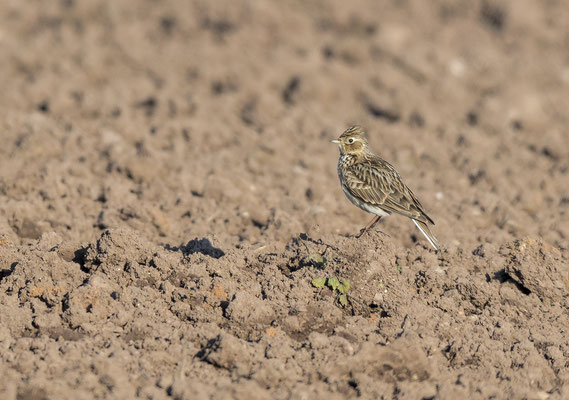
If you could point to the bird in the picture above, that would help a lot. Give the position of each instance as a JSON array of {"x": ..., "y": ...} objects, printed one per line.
[{"x": 374, "y": 185}]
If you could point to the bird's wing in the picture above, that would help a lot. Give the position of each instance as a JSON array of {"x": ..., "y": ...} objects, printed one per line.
[{"x": 376, "y": 182}]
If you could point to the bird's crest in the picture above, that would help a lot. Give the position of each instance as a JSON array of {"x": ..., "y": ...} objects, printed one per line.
[{"x": 355, "y": 130}]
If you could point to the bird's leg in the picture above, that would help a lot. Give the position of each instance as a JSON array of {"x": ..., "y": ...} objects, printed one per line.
[
  {"x": 377, "y": 230},
  {"x": 373, "y": 222}
]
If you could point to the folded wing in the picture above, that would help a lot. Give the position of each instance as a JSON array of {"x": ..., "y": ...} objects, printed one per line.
[{"x": 377, "y": 183}]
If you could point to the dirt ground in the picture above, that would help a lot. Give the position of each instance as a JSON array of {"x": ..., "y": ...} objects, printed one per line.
[{"x": 168, "y": 193}]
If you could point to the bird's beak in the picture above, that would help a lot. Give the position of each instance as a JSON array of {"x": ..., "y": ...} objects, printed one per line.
[{"x": 336, "y": 141}]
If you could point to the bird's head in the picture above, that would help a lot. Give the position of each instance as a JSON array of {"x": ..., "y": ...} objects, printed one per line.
[{"x": 352, "y": 141}]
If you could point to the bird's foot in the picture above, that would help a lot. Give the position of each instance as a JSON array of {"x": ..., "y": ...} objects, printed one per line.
[{"x": 362, "y": 231}]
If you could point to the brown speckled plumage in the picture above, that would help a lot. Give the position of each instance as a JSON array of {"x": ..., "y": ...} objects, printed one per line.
[{"x": 375, "y": 186}]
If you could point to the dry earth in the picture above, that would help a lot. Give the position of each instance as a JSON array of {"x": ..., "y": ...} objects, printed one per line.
[{"x": 168, "y": 192}]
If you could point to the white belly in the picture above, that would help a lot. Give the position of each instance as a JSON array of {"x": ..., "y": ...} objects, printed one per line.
[{"x": 364, "y": 206}]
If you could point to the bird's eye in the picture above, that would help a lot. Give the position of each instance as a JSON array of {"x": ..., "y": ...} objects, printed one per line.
[{"x": 351, "y": 140}]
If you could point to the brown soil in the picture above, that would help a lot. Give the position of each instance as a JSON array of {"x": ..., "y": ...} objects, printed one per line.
[{"x": 168, "y": 192}]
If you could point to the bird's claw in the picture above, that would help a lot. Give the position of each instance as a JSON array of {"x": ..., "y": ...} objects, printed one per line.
[{"x": 363, "y": 231}]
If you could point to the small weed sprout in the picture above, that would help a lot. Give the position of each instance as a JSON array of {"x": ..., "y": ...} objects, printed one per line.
[{"x": 336, "y": 285}]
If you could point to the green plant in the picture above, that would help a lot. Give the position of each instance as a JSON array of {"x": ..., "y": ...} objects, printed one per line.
[
  {"x": 336, "y": 285},
  {"x": 316, "y": 259}
]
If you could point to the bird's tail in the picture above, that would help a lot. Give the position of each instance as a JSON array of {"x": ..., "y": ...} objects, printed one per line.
[{"x": 424, "y": 228}]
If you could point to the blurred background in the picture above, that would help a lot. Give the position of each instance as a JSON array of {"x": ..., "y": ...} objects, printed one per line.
[{"x": 192, "y": 118}]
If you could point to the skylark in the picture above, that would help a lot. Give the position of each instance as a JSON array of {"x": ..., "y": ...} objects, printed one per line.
[{"x": 375, "y": 186}]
